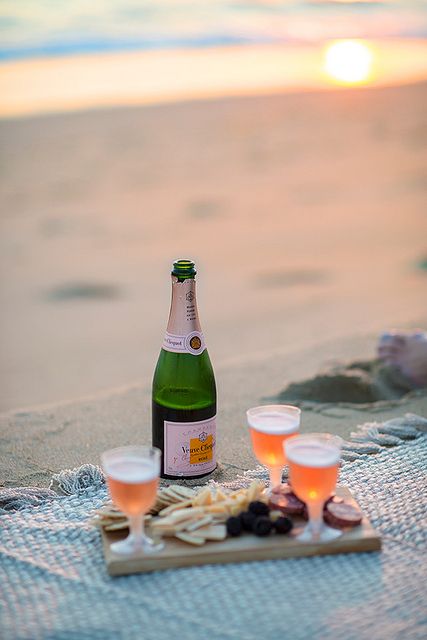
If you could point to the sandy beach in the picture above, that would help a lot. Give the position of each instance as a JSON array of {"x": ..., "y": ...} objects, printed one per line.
[{"x": 304, "y": 212}]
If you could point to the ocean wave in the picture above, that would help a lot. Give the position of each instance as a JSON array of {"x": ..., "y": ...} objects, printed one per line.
[{"x": 40, "y": 28}]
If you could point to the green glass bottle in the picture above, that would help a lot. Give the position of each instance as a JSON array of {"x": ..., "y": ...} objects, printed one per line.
[{"x": 184, "y": 391}]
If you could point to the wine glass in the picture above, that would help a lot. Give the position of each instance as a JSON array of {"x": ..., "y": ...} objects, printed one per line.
[
  {"x": 133, "y": 477},
  {"x": 270, "y": 425},
  {"x": 313, "y": 460}
]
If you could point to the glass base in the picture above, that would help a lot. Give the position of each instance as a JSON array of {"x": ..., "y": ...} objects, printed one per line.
[
  {"x": 133, "y": 545},
  {"x": 306, "y": 534}
]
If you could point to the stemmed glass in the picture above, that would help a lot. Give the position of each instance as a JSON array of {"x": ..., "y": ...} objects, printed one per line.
[
  {"x": 313, "y": 460},
  {"x": 133, "y": 477},
  {"x": 270, "y": 425}
]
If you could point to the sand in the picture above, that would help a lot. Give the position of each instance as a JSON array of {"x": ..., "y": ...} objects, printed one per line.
[{"x": 305, "y": 214}]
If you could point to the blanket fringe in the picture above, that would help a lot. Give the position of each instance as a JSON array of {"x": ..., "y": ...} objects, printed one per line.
[
  {"x": 74, "y": 481},
  {"x": 15, "y": 498}
]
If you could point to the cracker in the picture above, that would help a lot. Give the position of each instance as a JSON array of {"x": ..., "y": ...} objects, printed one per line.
[
  {"x": 157, "y": 507},
  {"x": 190, "y": 538},
  {"x": 110, "y": 505},
  {"x": 170, "y": 530},
  {"x": 217, "y": 508},
  {"x": 220, "y": 496},
  {"x": 105, "y": 522},
  {"x": 174, "y": 507},
  {"x": 254, "y": 490},
  {"x": 163, "y": 523},
  {"x": 170, "y": 495},
  {"x": 185, "y": 514},
  {"x": 236, "y": 509},
  {"x": 164, "y": 500},
  {"x": 185, "y": 492},
  {"x": 117, "y": 526},
  {"x": 220, "y": 518},
  {"x": 96, "y": 522},
  {"x": 196, "y": 524},
  {"x": 213, "y": 532},
  {"x": 204, "y": 497},
  {"x": 108, "y": 513}
]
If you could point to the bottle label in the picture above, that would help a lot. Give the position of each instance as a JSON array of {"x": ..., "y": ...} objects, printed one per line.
[
  {"x": 193, "y": 343},
  {"x": 189, "y": 447}
]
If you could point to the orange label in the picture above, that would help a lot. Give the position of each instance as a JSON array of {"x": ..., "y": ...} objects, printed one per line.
[{"x": 201, "y": 449}]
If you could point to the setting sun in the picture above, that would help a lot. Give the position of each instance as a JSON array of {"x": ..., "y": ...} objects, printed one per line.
[{"x": 348, "y": 61}]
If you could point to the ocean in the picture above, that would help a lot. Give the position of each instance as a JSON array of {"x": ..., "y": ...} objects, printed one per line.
[{"x": 52, "y": 28}]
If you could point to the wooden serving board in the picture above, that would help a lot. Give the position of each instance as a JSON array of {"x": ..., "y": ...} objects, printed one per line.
[{"x": 245, "y": 548}]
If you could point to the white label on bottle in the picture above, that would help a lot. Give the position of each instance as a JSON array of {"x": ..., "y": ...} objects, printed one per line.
[
  {"x": 189, "y": 447},
  {"x": 193, "y": 343}
]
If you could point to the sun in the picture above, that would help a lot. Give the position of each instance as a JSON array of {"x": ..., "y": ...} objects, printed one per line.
[{"x": 348, "y": 61}]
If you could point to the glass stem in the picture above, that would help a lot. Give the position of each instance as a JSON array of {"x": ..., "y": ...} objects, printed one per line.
[
  {"x": 275, "y": 476},
  {"x": 136, "y": 529},
  {"x": 315, "y": 515}
]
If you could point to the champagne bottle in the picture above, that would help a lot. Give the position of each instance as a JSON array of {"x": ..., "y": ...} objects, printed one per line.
[{"x": 184, "y": 391}]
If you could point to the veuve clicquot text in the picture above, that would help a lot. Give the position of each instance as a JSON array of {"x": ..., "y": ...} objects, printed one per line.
[{"x": 184, "y": 391}]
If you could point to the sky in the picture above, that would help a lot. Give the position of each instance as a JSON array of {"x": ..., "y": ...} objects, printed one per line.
[{"x": 50, "y": 28}]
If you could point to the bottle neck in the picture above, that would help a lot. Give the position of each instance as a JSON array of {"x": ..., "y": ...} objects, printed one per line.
[
  {"x": 184, "y": 334},
  {"x": 183, "y": 317}
]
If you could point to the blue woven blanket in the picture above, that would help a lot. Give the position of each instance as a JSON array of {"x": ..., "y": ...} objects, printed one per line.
[{"x": 54, "y": 584}]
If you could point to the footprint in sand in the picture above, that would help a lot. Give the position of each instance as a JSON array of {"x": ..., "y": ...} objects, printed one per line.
[
  {"x": 83, "y": 291},
  {"x": 354, "y": 383},
  {"x": 290, "y": 278},
  {"x": 203, "y": 209}
]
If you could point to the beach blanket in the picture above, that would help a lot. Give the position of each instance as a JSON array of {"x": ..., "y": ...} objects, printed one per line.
[{"x": 55, "y": 586}]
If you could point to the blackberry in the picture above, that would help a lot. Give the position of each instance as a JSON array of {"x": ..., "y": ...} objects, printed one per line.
[
  {"x": 247, "y": 518},
  {"x": 283, "y": 525},
  {"x": 234, "y": 526},
  {"x": 259, "y": 508},
  {"x": 262, "y": 526}
]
